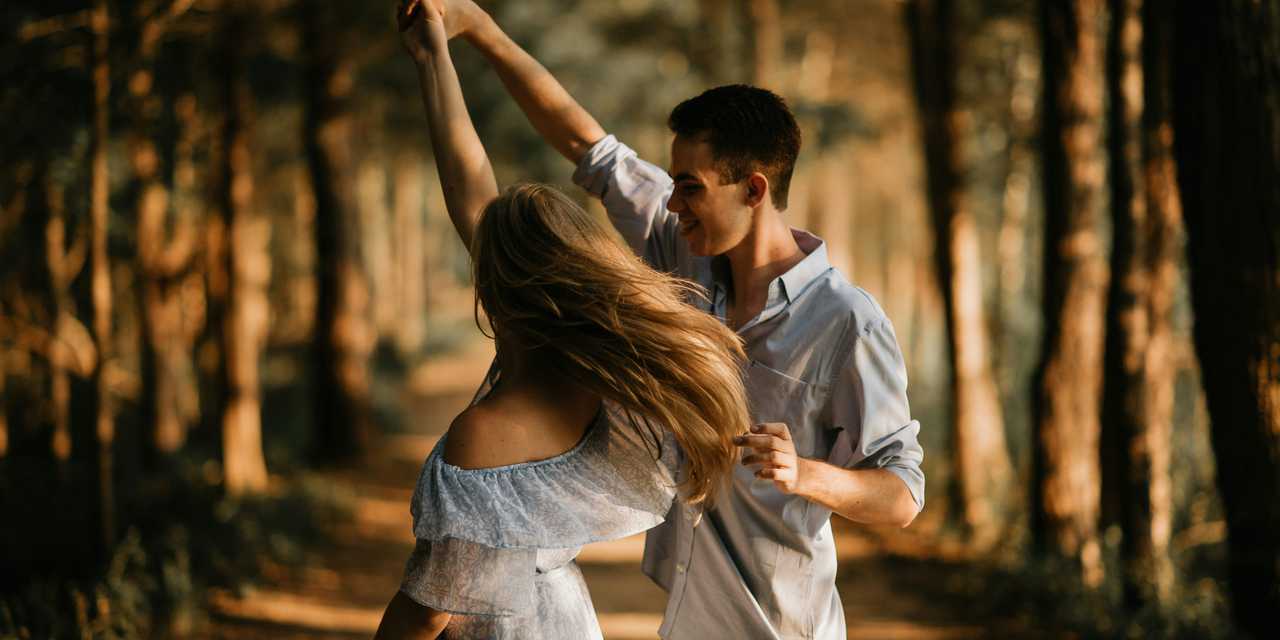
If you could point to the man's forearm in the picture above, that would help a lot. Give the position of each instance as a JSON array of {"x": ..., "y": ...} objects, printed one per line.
[
  {"x": 552, "y": 111},
  {"x": 869, "y": 496}
]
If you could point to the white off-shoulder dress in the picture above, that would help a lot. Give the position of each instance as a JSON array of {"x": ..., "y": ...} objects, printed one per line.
[{"x": 496, "y": 546}]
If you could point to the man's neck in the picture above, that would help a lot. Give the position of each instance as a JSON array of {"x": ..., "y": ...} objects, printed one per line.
[{"x": 767, "y": 252}]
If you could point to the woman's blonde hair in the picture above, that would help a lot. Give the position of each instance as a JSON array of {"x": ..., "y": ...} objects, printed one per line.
[{"x": 553, "y": 278}]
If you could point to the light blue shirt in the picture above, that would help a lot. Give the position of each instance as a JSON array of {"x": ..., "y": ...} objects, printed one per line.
[{"x": 824, "y": 360}]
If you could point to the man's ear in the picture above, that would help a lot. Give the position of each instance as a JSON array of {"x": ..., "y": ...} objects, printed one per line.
[{"x": 757, "y": 188}]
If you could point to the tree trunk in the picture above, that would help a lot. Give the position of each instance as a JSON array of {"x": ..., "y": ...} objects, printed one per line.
[
  {"x": 1068, "y": 383},
  {"x": 1126, "y": 308},
  {"x": 104, "y": 416},
  {"x": 1140, "y": 365},
  {"x": 411, "y": 267},
  {"x": 1227, "y": 118},
  {"x": 378, "y": 249},
  {"x": 1010, "y": 309},
  {"x": 766, "y": 51},
  {"x": 4, "y": 406},
  {"x": 62, "y": 264},
  {"x": 983, "y": 469},
  {"x": 160, "y": 263},
  {"x": 723, "y": 54},
  {"x": 186, "y": 296},
  {"x": 831, "y": 214},
  {"x": 343, "y": 337},
  {"x": 248, "y": 269}
]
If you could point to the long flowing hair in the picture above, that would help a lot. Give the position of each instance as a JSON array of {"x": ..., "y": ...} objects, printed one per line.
[{"x": 554, "y": 279}]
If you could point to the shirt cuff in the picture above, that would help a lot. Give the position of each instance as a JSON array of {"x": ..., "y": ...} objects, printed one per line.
[
  {"x": 914, "y": 480},
  {"x": 591, "y": 173}
]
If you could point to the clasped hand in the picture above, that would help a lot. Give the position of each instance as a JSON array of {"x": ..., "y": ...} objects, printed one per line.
[
  {"x": 422, "y": 28},
  {"x": 426, "y": 26}
]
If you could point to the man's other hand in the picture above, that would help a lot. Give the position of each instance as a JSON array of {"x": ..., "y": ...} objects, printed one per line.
[{"x": 771, "y": 454}]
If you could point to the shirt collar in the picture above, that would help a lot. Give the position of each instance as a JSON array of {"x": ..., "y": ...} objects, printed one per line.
[{"x": 814, "y": 264}]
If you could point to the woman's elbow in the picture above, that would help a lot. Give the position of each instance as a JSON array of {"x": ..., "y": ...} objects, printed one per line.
[{"x": 405, "y": 619}]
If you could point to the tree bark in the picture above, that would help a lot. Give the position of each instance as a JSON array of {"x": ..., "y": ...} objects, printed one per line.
[
  {"x": 1068, "y": 382},
  {"x": 62, "y": 264},
  {"x": 186, "y": 295},
  {"x": 248, "y": 269},
  {"x": 1140, "y": 365},
  {"x": 4, "y": 406},
  {"x": 830, "y": 204},
  {"x": 766, "y": 51},
  {"x": 722, "y": 55},
  {"x": 411, "y": 267},
  {"x": 1126, "y": 311},
  {"x": 162, "y": 260},
  {"x": 983, "y": 469},
  {"x": 1227, "y": 118},
  {"x": 104, "y": 407},
  {"x": 1010, "y": 308},
  {"x": 378, "y": 248},
  {"x": 343, "y": 335}
]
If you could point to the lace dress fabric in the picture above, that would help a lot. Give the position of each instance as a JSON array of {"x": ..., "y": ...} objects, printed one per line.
[{"x": 496, "y": 546}]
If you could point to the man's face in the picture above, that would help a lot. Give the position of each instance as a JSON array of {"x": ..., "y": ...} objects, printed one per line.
[{"x": 714, "y": 218}]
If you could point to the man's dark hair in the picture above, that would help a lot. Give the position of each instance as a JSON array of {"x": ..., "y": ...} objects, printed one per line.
[{"x": 749, "y": 129}]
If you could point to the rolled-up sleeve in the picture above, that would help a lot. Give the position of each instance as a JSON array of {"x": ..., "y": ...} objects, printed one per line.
[
  {"x": 869, "y": 406},
  {"x": 634, "y": 194}
]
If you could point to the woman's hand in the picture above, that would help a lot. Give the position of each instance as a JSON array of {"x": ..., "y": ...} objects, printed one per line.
[{"x": 422, "y": 29}]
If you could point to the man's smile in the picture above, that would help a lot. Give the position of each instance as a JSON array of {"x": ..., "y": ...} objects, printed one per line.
[{"x": 688, "y": 224}]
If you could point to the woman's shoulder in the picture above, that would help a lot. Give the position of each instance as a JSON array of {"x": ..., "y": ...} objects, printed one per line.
[
  {"x": 475, "y": 441},
  {"x": 483, "y": 437}
]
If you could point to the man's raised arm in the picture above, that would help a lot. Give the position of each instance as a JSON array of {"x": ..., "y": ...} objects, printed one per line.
[{"x": 552, "y": 111}]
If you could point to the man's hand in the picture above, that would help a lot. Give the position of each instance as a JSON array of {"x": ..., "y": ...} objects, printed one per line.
[
  {"x": 422, "y": 29},
  {"x": 461, "y": 17},
  {"x": 772, "y": 455}
]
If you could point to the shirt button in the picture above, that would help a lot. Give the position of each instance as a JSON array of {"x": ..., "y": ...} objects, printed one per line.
[{"x": 680, "y": 568}]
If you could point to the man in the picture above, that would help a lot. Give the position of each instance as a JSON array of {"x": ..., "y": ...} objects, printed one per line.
[{"x": 826, "y": 379}]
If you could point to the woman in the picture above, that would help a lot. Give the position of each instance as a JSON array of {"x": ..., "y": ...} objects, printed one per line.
[{"x": 591, "y": 344}]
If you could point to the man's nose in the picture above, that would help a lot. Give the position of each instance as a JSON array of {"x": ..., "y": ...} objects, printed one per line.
[{"x": 675, "y": 204}]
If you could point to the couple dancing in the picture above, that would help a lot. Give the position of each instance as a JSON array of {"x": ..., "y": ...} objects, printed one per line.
[{"x": 730, "y": 430}]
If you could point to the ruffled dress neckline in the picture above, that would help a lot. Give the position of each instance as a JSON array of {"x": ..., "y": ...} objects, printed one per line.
[{"x": 612, "y": 484}]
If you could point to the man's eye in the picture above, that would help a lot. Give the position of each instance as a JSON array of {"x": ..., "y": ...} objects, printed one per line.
[{"x": 691, "y": 188}]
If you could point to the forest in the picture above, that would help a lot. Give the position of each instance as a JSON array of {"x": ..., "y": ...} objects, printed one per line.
[{"x": 235, "y": 317}]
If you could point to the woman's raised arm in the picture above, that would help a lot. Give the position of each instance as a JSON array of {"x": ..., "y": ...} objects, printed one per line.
[{"x": 466, "y": 177}]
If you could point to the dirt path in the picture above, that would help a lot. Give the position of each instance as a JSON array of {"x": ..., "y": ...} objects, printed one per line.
[{"x": 341, "y": 594}]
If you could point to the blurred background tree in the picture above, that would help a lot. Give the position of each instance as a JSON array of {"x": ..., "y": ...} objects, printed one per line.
[{"x": 1226, "y": 120}]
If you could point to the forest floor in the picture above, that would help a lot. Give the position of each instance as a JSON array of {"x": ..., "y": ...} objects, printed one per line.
[{"x": 898, "y": 584}]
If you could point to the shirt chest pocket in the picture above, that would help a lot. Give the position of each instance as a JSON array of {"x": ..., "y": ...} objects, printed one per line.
[{"x": 774, "y": 396}]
